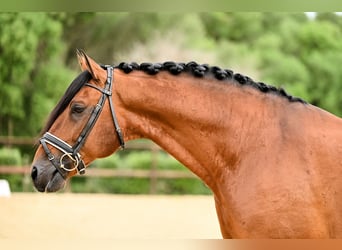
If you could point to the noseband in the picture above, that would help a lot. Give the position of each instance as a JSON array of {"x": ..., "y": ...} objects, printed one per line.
[{"x": 72, "y": 152}]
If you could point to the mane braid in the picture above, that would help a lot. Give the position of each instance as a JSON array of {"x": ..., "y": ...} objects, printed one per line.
[
  {"x": 202, "y": 70},
  {"x": 69, "y": 94}
]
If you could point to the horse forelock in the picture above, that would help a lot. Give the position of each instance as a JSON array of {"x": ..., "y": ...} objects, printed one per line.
[
  {"x": 202, "y": 70},
  {"x": 69, "y": 94}
]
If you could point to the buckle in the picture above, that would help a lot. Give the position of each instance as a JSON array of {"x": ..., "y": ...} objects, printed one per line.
[{"x": 51, "y": 157}]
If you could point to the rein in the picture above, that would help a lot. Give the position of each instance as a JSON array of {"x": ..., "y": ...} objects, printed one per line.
[{"x": 72, "y": 152}]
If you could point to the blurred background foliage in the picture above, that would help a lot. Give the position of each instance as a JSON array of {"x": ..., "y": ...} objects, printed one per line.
[{"x": 38, "y": 62}]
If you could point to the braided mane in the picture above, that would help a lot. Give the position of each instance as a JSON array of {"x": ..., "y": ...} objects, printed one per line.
[{"x": 201, "y": 70}]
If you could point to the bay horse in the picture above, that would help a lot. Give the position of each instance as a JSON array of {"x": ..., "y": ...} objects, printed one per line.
[{"x": 272, "y": 161}]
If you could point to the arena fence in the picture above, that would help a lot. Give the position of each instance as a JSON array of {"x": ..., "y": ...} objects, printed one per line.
[{"x": 153, "y": 174}]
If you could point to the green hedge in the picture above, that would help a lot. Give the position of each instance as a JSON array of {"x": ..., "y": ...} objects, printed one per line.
[
  {"x": 12, "y": 157},
  {"x": 138, "y": 160},
  {"x": 137, "y": 186}
]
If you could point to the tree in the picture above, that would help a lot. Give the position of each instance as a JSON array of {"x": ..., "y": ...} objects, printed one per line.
[
  {"x": 316, "y": 45},
  {"x": 106, "y": 34},
  {"x": 235, "y": 26},
  {"x": 29, "y": 50}
]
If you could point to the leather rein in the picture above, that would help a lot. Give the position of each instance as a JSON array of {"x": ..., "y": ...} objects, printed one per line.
[{"x": 72, "y": 152}]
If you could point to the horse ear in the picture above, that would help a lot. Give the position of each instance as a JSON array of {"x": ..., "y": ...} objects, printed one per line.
[{"x": 87, "y": 63}]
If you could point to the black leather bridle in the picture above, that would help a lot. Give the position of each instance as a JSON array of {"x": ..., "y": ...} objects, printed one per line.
[{"x": 72, "y": 152}]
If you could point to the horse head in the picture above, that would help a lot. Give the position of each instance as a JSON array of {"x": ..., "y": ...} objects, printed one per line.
[{"x": 80, "y": 128}]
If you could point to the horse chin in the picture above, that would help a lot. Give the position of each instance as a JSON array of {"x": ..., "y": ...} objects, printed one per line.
[{"x": 56, "y": 183}]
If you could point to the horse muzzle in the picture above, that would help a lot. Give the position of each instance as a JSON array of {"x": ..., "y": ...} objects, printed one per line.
[{"x": 46, "y": 178}]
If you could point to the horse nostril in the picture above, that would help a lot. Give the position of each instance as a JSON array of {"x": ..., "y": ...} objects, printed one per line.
[{"x": 34, "y": 173}]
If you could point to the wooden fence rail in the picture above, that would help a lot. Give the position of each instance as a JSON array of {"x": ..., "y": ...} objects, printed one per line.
[
  {"x": 153, "y": 174},
  {"x": 102, "y": 172},
  {"x": 15, "y": 140}
]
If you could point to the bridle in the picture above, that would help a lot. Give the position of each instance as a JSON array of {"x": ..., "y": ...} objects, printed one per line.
[{"x": 72, "y": 152}]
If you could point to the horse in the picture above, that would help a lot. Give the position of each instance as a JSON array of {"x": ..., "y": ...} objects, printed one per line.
[{"x": 272, "y": 161}]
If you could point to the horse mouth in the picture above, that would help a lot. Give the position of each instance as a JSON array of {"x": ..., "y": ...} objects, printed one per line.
[{"x": 56, "y": 183}]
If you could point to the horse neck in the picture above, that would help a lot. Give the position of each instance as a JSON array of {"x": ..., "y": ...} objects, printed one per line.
[{"x": 203, "y": 123}]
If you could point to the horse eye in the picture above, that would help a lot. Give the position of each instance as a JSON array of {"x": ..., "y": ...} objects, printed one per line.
[{"x": 77, "y": 109}]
